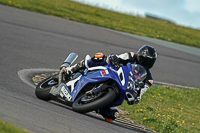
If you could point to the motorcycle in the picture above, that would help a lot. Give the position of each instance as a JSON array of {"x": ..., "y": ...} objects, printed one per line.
[{"x": 94, "y": 88}]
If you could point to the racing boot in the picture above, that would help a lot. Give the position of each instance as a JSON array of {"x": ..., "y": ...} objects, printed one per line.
[{"x": 110, "y": 113}]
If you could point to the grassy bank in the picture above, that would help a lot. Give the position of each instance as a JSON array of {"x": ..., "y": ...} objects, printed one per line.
[
  {"x": 8, "y": 128},
  {"x": 86, "y": 14},
  {"x": 167, "y": 110}
]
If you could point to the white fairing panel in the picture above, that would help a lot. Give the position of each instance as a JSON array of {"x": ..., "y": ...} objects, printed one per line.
[
  {"x": 97, "y": 68},
  {"x": 72, "y": 82},
  {"x": 120, "y": 72}
]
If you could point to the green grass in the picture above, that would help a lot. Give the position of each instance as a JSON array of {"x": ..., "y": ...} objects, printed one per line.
[
  {"x": 8, "y": 128},
  {"x": 132, "y": 24},
  {"x": 166, "y": 110}
]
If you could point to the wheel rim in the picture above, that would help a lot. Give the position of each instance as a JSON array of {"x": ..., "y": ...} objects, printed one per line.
[
  {"x": 104, "y": 99},
  {"x": 90, "y": 98},
  {"x": 52, "y": 82},
  {"x": 48, "y": 84}
]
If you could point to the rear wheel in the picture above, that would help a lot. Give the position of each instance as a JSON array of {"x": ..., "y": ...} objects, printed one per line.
[
  {"x": 43, "y": 88},
  {"x": 87, "y": 103}
]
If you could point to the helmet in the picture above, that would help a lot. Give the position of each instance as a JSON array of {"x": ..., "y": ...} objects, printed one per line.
[{"x": 146, "y": 56}]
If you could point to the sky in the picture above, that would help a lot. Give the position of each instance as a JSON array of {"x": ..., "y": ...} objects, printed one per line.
[{"x": 182, "y": 12}]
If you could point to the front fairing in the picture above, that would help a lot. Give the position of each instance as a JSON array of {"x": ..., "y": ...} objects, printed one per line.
[
  {"x": 97, "y": 75},
  {"x": 122, "y": 75},
  {"x": 91, "y": 75},
  {"x": 100, "y": 74}
]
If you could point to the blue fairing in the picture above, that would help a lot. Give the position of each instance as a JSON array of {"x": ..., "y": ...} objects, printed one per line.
[
  {"x": 87, "y": 79},
  {"x": 101, "y": 74},
  {"x": 95, "y": 77}
]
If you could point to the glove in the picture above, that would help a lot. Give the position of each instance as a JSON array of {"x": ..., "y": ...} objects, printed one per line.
[{"x": 114, "y": 59}]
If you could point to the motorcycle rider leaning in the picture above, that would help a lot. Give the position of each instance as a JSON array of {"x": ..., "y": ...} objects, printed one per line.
[{"x": 146, "y": 57}]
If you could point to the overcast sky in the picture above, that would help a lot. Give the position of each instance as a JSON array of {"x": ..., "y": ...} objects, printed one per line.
[{"x": 182, "y": 12}]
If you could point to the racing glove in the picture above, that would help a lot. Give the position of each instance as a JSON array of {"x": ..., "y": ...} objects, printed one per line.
[{"x": 114, "y": 59}]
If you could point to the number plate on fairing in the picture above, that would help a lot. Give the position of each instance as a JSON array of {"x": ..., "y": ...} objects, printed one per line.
[{"x": 65, "y": 93}]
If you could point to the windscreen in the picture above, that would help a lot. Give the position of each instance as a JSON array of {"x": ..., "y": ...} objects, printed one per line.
[{"x": 139, "y": 73}]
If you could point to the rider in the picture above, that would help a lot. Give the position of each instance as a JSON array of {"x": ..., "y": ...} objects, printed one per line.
[{"x": 146, "y": 57}]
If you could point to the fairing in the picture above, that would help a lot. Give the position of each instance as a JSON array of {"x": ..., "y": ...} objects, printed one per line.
[{"x": 122, "y": 77}]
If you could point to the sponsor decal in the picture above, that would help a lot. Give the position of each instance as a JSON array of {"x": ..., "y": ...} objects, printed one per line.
[
  {"x": 65, "y": 93},
  {"x": 151, "y": 81},
  {"x": 132, "y": 54},
  {"x": 104, "y": 72},
  {"x": 116, "y": 114}
]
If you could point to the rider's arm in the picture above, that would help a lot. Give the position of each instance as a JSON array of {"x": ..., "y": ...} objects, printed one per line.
[{"x": 124, "y": 58}]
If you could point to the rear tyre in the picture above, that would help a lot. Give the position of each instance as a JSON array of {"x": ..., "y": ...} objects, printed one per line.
[
  {"x": 43, "y": 88},
  {"x": 86, "y": 104}
]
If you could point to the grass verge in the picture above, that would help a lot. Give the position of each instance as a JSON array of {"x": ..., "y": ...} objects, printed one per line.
[
  {"x": 8, "y": 128},
  {"x": 91, "y": 15},
  {"x": 165, "y": 110}
]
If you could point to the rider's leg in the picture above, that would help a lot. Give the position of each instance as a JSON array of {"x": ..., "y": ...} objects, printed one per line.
[{"x": 109, "y": 113}]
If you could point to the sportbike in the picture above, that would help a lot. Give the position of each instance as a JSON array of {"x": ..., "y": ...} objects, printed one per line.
[{"x": 94, "y": 88}]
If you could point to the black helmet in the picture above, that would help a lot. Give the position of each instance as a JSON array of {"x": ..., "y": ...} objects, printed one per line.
[{"x": 146, "y": 56}]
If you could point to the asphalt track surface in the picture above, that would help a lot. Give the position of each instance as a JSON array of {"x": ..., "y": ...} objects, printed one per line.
[{"x": 30, "y": 40}]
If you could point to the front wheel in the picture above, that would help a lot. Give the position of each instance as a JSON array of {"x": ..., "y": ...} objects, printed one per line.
[
  {"x": 43, "y": 88},
  {"x": 87, "y": 103}
]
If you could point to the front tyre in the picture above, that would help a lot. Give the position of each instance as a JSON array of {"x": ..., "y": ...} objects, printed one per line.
[
  {"x": 43, "y": 88},
  {"x": 87, "y": 103}
]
